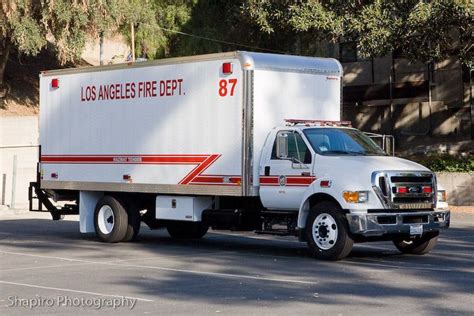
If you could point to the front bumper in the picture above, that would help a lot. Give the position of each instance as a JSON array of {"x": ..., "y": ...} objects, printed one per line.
[{"x": 378, "y": 224}]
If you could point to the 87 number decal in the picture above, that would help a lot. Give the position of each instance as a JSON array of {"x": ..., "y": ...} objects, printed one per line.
[{"x": 227, "y": 87}]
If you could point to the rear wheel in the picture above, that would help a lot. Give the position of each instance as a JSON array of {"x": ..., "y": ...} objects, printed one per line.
[
  {"x": 134, "y": 221},
  {"x": 187, "y": 230},
  {"x": 419, "y": 246},
  {"x": 327, "y": 232},
  {"x": 110, "y": 220}
]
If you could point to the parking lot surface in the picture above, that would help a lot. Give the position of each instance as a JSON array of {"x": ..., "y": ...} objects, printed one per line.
[{"x": 48, "y": 267}]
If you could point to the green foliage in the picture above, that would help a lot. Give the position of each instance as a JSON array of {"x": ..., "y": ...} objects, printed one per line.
[
  {"x": 20, "y": 25},
  {"x": 148, "y": 36},
  {"x": 231, "y": 27},
  {"x": 68, "y": 24},
  {"x": 446, "y": 162},
  {"x": 171, "y": 16},
  {"x": 314, "y": 16},
  {"x": 421, "y": 30}
]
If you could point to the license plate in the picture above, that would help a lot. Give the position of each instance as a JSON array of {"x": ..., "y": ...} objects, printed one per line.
[{"x": 416, "y": 229}]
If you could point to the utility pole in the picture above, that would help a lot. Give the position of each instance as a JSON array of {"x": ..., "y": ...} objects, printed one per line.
[
  {"x": 132, "y": 28},
  {"x": 471, "y": 105},
  {"x": 101, "y": 48}
]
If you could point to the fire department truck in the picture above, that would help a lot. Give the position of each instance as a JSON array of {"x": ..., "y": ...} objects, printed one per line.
[{"x": 236, "y": 141}]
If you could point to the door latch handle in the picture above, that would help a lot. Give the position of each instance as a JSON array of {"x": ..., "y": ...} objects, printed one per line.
[{"x": 267, "y": 170}]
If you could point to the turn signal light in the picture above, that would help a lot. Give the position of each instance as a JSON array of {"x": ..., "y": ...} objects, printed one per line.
[
  {"x": 355, "y": 196},
  {"x": 427, "y": 189},
  {"x": 402, "y": 190}
]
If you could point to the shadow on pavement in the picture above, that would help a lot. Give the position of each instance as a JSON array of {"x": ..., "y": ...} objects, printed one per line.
[{"x": 449, "y": 268}]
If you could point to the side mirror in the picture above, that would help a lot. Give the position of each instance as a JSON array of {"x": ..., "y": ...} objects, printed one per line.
[{"x": 282, "y": 146}]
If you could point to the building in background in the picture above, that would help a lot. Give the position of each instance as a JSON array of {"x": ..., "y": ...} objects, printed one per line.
[{"x": 427, "y": 107}]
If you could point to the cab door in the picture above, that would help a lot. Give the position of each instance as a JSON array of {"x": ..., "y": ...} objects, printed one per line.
[{"x": 285, "y": 177}]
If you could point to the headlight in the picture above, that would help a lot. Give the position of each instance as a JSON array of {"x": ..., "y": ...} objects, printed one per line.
[
  {"x": 355, "y": 196},
  {"x": 442, "y": 197}
]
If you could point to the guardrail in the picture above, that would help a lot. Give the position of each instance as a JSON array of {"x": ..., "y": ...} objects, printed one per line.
[
  {"x": 387, "y": 142},
  {"x": 14, "y": 175},
  {"x": 19, "y": 146}
]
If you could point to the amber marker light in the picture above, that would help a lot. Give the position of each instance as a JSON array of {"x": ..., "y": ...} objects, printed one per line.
[{"x": 355, "y": 196}]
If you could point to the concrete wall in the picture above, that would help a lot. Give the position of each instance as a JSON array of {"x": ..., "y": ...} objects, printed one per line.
[
  {"x": 18, "y": 131},
  {"x": 116, "y": 50},
  {"x": 459, "y": 187}
]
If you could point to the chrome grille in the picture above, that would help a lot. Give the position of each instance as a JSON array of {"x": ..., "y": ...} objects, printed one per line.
[{"x": 388, "y": 184}]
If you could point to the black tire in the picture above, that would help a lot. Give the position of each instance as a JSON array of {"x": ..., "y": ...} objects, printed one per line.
[
  {"x": 134, "y": 221},
  {"x": 187, "y": 230},
  {"x": 419, "y": 246},
  {"x": 118, "y": 219},
  {"x": 331, "y": 231}
]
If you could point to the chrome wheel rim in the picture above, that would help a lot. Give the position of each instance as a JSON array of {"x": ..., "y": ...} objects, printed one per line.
[
  {"x": 325, "y": 231},
  {"x": 106, "y": 219}
]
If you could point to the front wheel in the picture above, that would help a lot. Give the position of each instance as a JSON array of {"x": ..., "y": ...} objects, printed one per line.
[
  {"x": 419, "y": 246},
  {"x": 327, "y": 232}
]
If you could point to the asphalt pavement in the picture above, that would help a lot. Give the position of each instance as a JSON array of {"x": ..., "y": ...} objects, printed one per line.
[{"x": 48, "y": 267}]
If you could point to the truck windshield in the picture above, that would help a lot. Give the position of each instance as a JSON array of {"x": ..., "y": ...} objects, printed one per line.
[{"x": 341, "y": 141}]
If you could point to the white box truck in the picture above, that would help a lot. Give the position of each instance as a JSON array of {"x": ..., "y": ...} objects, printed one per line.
[{"x": 236, "y": 141}]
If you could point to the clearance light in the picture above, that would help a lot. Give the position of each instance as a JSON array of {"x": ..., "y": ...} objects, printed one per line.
[
  {"x": 355, "y": 196},
  {"x": 442, "y": 197},
  {"x": 227, "y": 68},
  {"x": 55, "y": 83}
]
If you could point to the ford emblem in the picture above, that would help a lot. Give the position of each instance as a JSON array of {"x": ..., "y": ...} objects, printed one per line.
[{"x": 413, "y": 189}]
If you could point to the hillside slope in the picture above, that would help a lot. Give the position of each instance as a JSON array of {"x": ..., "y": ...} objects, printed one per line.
[{"x": 21, "y": 75}]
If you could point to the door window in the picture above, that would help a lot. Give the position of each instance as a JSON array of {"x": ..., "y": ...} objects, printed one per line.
[{"x": 297, "y": 148}]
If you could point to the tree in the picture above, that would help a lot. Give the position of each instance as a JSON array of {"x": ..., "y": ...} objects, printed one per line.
[
  {"x": 149, "y": 38},
  {"x": 218, "y": 26},
  {"x": 19, "y": 27},
  {"x": 421, "y": 30},
  {"x": 28, "y": 25}
]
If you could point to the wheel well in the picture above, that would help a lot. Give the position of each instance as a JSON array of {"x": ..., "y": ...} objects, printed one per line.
[
  {"x": 319, "y": 197},
  {"x": 310, "y": 202}
]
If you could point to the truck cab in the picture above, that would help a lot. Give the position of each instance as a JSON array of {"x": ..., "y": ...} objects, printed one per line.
[{"x": 346, "y": 189}]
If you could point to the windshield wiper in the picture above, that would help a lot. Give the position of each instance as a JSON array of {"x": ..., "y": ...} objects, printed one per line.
[{"x": 344, "y": 152}]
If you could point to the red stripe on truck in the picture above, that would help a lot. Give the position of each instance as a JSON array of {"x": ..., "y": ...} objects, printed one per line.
[
  {"x": 125, "y": 159},
  {"x": 290, "y": 180},
  {"x": 203, "y": 161},
  {"x": 199, "y": 169}
]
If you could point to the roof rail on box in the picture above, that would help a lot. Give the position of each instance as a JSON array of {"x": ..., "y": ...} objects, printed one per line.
[{"x": 291, "y": 122}]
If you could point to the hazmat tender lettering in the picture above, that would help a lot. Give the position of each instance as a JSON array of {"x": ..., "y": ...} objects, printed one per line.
[
  {"x": 127, "y": 159},
  {"x": 132, "y": 90}
]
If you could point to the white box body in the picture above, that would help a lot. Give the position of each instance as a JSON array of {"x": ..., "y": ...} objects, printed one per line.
[{"x": 169, "y": 127}]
